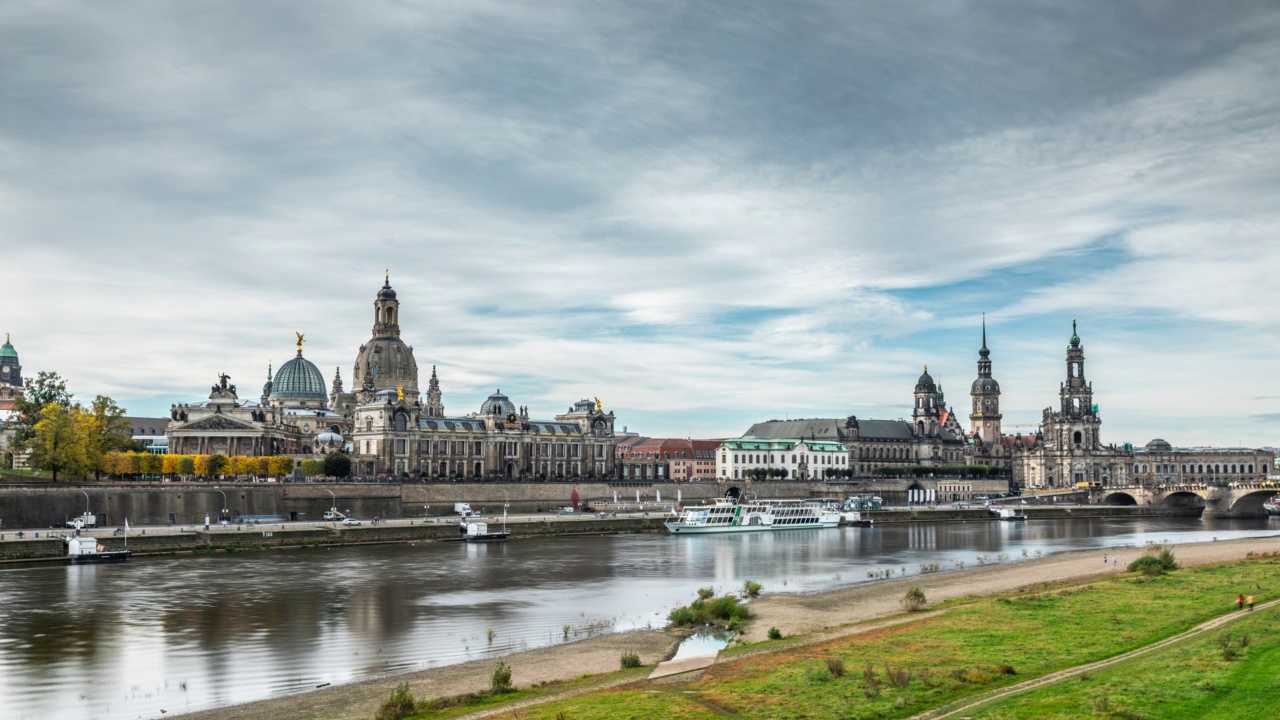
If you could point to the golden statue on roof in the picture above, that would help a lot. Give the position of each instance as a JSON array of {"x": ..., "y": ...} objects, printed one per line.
[
  {"x": 598, "y": 405},
  {"x": 400, "y": 393},
  {"x": 300, "y": 338}
]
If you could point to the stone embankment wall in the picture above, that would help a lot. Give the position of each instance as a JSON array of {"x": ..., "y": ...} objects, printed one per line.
[{"x": 268, "y": 536}]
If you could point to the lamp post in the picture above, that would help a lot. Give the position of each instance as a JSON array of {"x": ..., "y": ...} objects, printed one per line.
[
  {"x": 86, "y": 501},
  {"x": 333, "y": 509},
  {"x": 224, "y": 505},
  {"x": 506, "y": 503}
]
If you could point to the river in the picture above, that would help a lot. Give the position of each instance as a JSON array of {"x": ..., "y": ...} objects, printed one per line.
[{"x": 183, "y": 633}]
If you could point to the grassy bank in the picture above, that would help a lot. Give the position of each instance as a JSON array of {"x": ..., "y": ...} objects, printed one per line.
[{"x": 978, "y": 645}]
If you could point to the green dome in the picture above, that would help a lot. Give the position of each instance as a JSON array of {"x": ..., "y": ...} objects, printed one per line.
[
  {"x": 298, "y": 379},
  {"x": 7, "y": 350}
]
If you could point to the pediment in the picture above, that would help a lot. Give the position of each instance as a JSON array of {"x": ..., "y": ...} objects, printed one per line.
[{"x": 218, "y": 422}]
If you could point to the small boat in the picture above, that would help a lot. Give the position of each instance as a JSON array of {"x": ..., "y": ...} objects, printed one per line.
[
  {"x": 1272, "y": 506},
  {"x": 478, "y": 532},
  {"x": 727, "y": 516},
  {"x": 86, "y": 550},
  {"x": 850, "y": 512},
  {"x": 1009, "y": 515}
]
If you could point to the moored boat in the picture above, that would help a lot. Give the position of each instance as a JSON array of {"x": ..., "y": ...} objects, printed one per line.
[
  {"x": 1272, "y": 505},
  {"x": 478, "y": 532},
  {"x": 727, "y": 516},
  {"x": 1009, "y": 515},
  {"x": 87, "y": 550}
]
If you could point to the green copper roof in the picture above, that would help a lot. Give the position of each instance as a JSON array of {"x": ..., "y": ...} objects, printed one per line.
[
  {"x": 1075, "y": 339},
  {"x": 782, "y": 444},
  {"x": 7, "y": 350}
]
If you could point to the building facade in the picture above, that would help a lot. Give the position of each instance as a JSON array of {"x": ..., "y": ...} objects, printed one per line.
[
  {"x": 1160, "y": 463},
  {"x": 389, "y": 426},
  {"x": 781, "y": 458},
  {"x": 643, "y": 459},
  {"x": 1068, "y": 449}
]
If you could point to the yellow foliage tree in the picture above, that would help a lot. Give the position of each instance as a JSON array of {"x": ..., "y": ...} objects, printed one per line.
[
  {"x": 169, "y": 464},
  {"x": 152, "y": 464},
  {"x": 202, "y": 464},
  {"x": 59, "y": 442},
  {"x": 281, "y": 465}
]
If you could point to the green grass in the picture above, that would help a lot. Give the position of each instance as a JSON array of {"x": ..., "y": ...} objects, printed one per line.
[
  {"x": 1189, "y": 681},
  {"x": 976, "y": 647}
]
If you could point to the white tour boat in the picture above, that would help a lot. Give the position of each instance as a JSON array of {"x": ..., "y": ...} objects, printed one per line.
[{"x": 727, "y": 516}]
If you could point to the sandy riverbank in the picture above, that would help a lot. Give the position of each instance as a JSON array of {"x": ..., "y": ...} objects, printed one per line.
[{"x": 823, "y": 612}]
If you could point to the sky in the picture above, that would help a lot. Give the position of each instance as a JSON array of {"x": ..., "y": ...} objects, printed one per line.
[{"x": 704, "y": 213}]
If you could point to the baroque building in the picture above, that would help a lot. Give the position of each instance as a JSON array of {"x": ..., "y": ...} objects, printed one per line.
[
  {"x": 933, "y": 437},
  {"x": 388, "y": 425},
  {"x": 1068, "y": 449}
]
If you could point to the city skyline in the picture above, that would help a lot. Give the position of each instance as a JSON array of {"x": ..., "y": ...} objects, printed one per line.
[{"x": 705, "y": 214}]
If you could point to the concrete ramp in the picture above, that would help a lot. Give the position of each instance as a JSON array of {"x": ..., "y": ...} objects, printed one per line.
[{"x": 683, "y": 665}]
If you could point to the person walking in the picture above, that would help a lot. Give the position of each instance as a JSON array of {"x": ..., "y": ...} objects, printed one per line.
[
  {"x": 1104, "y": 558},
  {"x": 1240, "y": 601},
  {"x": 1250, "y": 601}
]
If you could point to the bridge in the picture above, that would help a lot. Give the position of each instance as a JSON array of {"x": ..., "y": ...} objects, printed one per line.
[{"x": 1232, "y": 500}]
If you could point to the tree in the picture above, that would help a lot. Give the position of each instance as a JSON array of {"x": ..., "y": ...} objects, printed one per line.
[
  {"x": 217, "y": 464},
  {"x": 169, "y": 464},
  {"x": 46, "y": 388},
  {"x": 337, "y": 464},
  {"x": 105, "y": 429},
  {"x": 281, "y": 464},
  {"x": 58, "y": 444},
  {"x": 152, "y": 464},
  {"x": 186, "y": 465}
]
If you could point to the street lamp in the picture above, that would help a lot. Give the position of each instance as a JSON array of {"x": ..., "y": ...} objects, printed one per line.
[
  {"x": 333, "y": 509},
  {"x": 506, "y": 503},
  {"x": 224, "y": 505}
]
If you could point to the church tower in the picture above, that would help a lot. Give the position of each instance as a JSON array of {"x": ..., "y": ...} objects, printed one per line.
[
  {"x": 985, "y": 418},
  {"x": 435, "y": 405},
  {"x": 926, "y": 414},
  {"x": 1078, "y": 421}
]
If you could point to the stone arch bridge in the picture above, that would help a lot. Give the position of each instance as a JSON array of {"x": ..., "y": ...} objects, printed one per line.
[{"x": 1235, "y": 500}]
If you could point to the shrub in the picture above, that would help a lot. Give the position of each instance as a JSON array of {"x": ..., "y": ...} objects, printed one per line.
[
  {"x": 775, "y": 633},
  {"x": 337, "y": 464},
  {"x": 719, "y": 611},
  {"x": 1006, "y": 669},
  {"x": 630, "y": 660},
  {"x": 500, "y": 681},
  {"x": 899, "y": 677},
  {"x": 706, "y": 593},
  {"x": 399, "y": 705},
  {"x": 1148, "y": 565},
  {"x": 751, "y": 589},
  {"x": 1166, "y": 559},
  {"x": 914, "y": 600},
  {"x": 835, "y": 666}
]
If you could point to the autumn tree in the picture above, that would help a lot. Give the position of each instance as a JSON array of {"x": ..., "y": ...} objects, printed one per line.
[
  {"x": 217, "y": 464},
  {"x": 47, "y": 387},
  {"x": 58, "y": 443},
  {"x": 105, "y": 429}
]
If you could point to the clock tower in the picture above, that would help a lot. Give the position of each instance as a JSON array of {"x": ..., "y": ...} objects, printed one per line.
[
  {"x": 10, "y": 375},
  {"x": 985, "y": 392}
]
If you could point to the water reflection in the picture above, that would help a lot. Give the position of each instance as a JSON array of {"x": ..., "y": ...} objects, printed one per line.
[{"x": 188, "y": 632}]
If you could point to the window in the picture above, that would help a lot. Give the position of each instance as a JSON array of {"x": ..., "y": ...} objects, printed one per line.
[
  {"x": 368, "y": 424},
  {"x": 402, "y": 422},
  {"x": 479, "y": 448},
  {"x": 399, "y": 447}
]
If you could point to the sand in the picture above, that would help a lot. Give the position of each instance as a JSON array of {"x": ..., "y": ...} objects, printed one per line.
[{"x": 822, "y": 614}]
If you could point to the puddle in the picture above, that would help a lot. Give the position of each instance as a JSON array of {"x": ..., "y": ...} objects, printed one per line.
[{"x": 707, "y": 642}]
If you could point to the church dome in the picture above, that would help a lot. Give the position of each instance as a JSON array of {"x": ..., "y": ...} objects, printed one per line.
[
  {"x": 985, "y": 386},
  {"x": 497, "y": 404},
  {"x": 1159, "y": 445},
  {"x": 925, "y": 383},
  {"x": 328, "y": 436},
  {"x": 7, "y": 350},
  {"x": 386, "y": 293},
  {"x": 298, "y": 379}
]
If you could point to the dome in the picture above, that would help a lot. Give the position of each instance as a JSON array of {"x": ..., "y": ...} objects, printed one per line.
[
  {"x": 925, "y": 383},
  {"x": 1159, "y": 445},
  {"x": 497, "y": 404},
  {"x": 386, "y": 293},
  {"x": 985, "y": 386},
  {"x": 328, "y": 436},
  {"x": 298, "y": 379},
  {"x": 7, "y": 350}
]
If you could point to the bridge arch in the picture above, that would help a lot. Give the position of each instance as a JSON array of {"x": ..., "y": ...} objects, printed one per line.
[
  {"x": 1182, "y": 498},
  {"x": 1119, "y": 498},
  {"x": 1250, "y": 504},
  {"x": 733, "y": 493}
]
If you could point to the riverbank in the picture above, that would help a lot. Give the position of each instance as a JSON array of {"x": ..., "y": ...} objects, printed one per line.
[
  {"x": 39, "y": 546},
  {"x": 810, "y": 620}
]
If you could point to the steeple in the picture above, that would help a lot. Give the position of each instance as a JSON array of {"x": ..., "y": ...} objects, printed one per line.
[
  {"x": 435, "y": 406},
  {"x": 337, "y": 381},
  {"x": 266, "y": 389},
  {"x": 985, "y": 392}
]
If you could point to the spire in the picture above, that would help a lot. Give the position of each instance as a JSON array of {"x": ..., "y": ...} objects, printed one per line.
[
  {"x": 268, "y": 371},
  {"x": 984, "y": 352},
  {"x": 1075, "y": 337}
]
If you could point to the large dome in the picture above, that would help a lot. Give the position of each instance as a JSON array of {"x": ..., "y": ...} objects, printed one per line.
[
  {"x": 298, "y": 379},
  {"x": 985, "y": 386}
]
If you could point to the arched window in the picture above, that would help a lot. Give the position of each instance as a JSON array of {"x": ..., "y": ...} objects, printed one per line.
[
  {"x": 368, "y": 425},
  {"x": 1077, "y": 435},
  {"x": 402, "y": 422}
]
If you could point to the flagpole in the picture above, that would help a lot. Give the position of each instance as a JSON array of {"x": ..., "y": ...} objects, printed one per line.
[{"x": 126, "y": 533}]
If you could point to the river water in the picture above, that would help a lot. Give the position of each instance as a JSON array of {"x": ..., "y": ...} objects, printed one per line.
[{"x": 183, "y": 633}]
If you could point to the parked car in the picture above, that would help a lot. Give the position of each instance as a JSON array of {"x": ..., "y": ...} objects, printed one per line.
[{"x": 350, "y": 521}]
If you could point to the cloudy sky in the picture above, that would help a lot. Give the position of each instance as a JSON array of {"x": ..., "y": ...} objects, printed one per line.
[{"x": 705, "y": 213}]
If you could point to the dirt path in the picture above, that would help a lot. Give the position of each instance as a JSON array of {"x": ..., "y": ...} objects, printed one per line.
[{"x": 971, "y": 704}]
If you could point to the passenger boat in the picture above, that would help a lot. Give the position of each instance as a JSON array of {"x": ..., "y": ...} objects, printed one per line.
[
  {"x": 478, "y": 532},
  {"x": 1272, "y": 506},
  {"x": 727, "y": 516},
  {"x": 849, "y": 511},
  {"x": 86, "y": 550}
]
